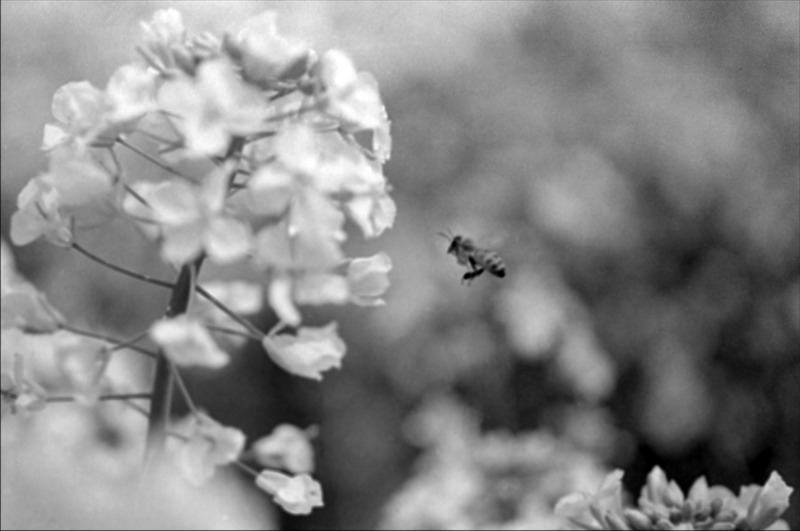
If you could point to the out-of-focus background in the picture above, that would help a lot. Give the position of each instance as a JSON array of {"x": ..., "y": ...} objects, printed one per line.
[{"x": 634, "y": 163}]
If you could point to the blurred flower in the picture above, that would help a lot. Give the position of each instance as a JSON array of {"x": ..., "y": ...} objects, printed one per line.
[
  {"x": 164, "y": 30},
  {"x": 351, "y": 97},
  {"x": 209, "y": 445},
  {"x": 309, "y": 172},
  {"x": 267, "y": 58},
  {"x": 83, "y": 361},
  {"x": 212, "y": 107},
  {"x": 315, "y": 228},
  {"x": 38, "y": 215},
  {"x": 91, "y": 117},
  {"x": 373, "y": 213},
  {"x": 280, "y": 299},
  {"x": 607, "y": 500},
  {"x": 76, "y": 192},
  {"x": 8, "y": 267},
  {"x": 297, "y": 495},
  {"x": 287, "y": 447},
  {"x": 308, "y": 354},
  {"x": 79, "y": 110},
  {"x": 25, "y": 307},
  {"x": 187, "y": 342},
  {"x": 367, "y": 279},
  {"x": 22, "y": 305},
  {"x": 768, "y": 502},
  {"x": 244, "y": 298},
  {"x": 320, "y": 288},
  {"x": 308, "y": 240},
  {"x": 130, "y": 94},
  {"x": 192, "y": 218},
  {"x": 662, "y": 505},
  {"x": 20, "y": 395},
  {"x": 170, "y": 50},
  {"x": 494, "y": 480}
]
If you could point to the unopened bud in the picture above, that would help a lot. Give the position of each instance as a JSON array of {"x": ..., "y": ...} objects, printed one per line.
[{"x": 637, "y": 520}]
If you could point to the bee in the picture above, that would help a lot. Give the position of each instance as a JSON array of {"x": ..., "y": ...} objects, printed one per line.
[{"x": 476, "y": 259}]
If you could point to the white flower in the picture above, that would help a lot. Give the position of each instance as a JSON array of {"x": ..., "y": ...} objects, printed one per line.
[
  {"x": 265, "y": 56},
  {"x": 187, "y": 342},
  {"x": 308, "y": 354},
  {"x": 192, "y": 219},
  {"x": 297, "y": 495},
  {"x": 373, "y": 213},
  {"x": 209, "y": 445},
  {"x": 351, "y": 97},
  {"x": 212, "y": 107},
  {"x": 286, "y": 447},
  {"x": 368, "y": 279}
]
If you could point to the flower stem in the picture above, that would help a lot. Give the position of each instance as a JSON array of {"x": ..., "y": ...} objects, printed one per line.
[
  {"x": 103, "y": 398},
  {"x": 118, "y": 269},
  {"x": 187, "y": 397},
  {"x": 256, "y": 333},
  {"x": 118, "y": 343},
  {"x": 246, "y": 468},
  {"x": 149, "y": 157},
  {"x": 129, "y": 343},
  {"x": 163, "y": 380},
  {"x": 232, "y": 332}
]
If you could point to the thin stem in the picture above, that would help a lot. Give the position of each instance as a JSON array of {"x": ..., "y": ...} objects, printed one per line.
[
  {"x": 118, "y": 344},
  {"x": 130, "y": 343},
  {"x": 247, "y": 468},
  {"x": 242, "y": 465},
  {"x": 184, "y": 390},
  {"x": 117, "y": 165},
  {"x": 280, "y": 325},
  {"x": 230, "y": 313},
  {"x": 231, "y": 331},
  {"x": 135, "y": 194},
  {"x": 119, "y": 269},
  {"x": 164, "y": 378},
  {"x": 296, "y": 112},
  {"x": 283, "y": 92},
  {"x": 103, "y": 398},
  {"x": 137, "y": 407},
  {"x": 157, "y": 138},
  {"x": 144, "y": 154}
]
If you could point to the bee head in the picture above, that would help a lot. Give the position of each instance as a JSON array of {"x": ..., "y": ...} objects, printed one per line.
[{"x": 455, "y": 241}]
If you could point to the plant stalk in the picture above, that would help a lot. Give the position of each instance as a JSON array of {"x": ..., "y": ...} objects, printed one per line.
[{"x": 161, "y": 404}]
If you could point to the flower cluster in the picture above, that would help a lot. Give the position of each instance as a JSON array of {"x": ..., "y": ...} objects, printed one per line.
[
  {"x": 480, "y": 480},
  {"x": 284, "y": 145},
  {"x": 663, "y": 505}
]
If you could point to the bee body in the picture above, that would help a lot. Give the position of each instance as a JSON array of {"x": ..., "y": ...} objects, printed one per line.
[{"x": 476, "y": 259}]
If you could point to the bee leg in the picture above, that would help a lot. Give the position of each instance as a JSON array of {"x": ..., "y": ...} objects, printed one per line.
[{"x": 470, "y": 275}]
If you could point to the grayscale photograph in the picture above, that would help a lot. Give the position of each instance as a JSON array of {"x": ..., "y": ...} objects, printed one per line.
[{"x": 400, "y": 265}]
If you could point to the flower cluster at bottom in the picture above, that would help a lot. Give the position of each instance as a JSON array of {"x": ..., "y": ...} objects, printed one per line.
[{"x": 663, "y": 505}]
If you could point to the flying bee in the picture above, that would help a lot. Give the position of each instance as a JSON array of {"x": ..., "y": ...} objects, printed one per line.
[{"x": 476, "y": 259}]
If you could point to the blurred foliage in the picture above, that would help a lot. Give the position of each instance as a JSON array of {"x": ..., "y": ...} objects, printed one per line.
[{"x": 635, "y": 164}]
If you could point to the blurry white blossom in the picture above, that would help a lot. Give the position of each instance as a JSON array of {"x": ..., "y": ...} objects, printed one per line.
[
  {"x": 309, "y": 353},
  {"x": 297, "y": 495},
  {"x": 287, "y": 447},
  {"x": 187, "y": 342}
]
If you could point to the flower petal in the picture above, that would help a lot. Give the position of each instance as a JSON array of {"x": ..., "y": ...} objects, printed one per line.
[{"x": 308, "y": 354}]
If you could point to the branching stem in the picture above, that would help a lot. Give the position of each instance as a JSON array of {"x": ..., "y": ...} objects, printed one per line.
[
  {"x": 149, "y": 157},
  {"x": 119, "y": 269},
  {"x": 118, "y": 343}
]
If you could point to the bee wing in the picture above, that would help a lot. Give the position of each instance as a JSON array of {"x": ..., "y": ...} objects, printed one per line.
[{"x": 496, "y": 239}]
